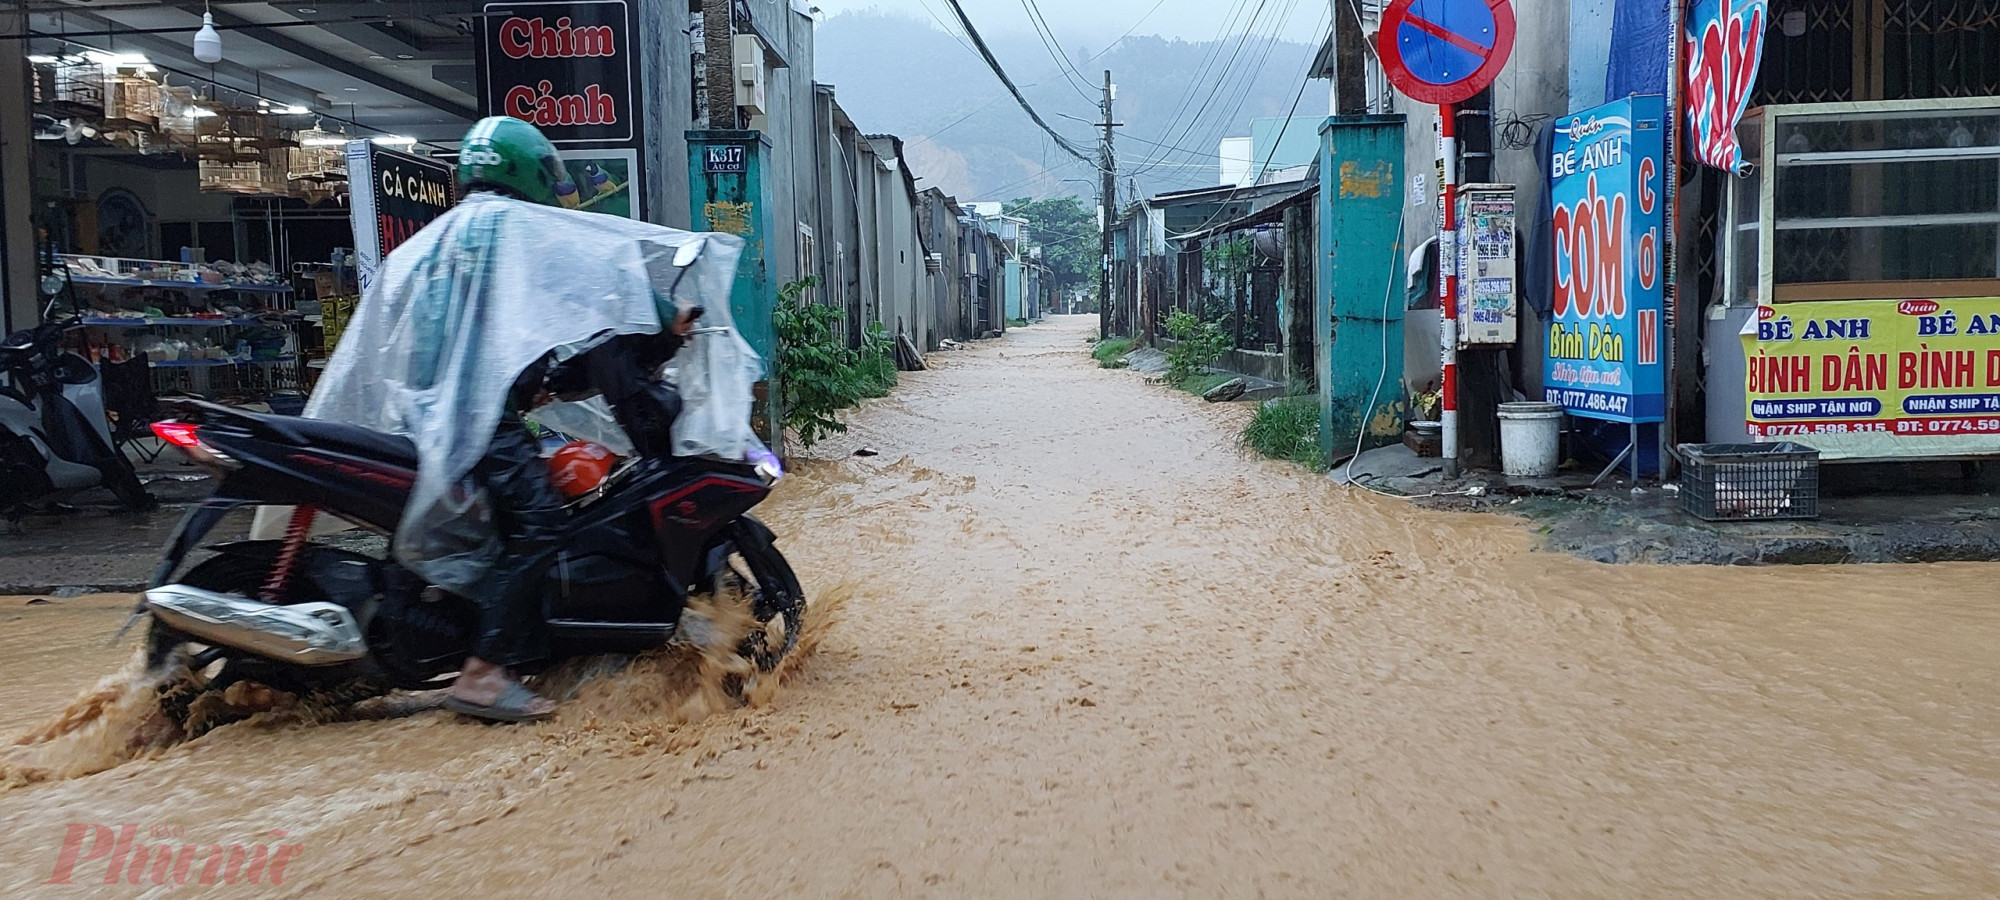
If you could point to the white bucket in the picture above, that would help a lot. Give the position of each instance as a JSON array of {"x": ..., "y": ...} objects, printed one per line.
[{"x": 1529, "y": 437}]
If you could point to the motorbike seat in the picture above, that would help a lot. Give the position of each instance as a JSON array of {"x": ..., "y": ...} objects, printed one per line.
[
  {"x": 339, "y": 437},
  {"x": 342, "y": 437}
]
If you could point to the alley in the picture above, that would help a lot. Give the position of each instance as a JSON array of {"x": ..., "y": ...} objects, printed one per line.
[{"x": 1075, "y": 643}]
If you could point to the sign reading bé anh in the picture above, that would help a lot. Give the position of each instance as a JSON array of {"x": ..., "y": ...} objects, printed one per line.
[
  {"x": 1876, "y": 378},
  {"x": 1604, "y": 355}
]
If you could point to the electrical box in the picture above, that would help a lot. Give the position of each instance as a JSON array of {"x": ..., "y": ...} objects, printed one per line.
[
  {"x": 752, "y": 73},
  {"x": 1488, "y": 266}
]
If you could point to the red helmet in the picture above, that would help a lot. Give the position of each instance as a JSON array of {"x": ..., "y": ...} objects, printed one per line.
[{"x": 579, "y": 467}]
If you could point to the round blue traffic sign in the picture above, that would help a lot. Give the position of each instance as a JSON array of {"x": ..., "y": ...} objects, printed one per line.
[{"x": 1444, "y": 51}]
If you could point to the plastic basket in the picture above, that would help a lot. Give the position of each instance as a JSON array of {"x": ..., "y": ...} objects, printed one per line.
[{"x": 1729, "y": 482}]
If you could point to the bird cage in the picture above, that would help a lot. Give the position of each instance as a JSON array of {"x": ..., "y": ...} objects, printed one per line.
[
  {"x": 320, "y": 156},
  {"x": 131, "y": 98},
  {"x": 79, "y": 87},
  {"x": 228, "y": 135},
  {"x": 261, "y": 177},
  {"x": 179, "y": 115}
]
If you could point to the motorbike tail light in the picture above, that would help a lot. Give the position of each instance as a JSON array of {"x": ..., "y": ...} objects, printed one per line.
[
  {"x": 187, "y": 437},
  {"x": 179, "y": 434}
]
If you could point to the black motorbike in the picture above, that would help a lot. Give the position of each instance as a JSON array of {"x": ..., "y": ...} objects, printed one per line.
[{"x": 303, "y": 616}]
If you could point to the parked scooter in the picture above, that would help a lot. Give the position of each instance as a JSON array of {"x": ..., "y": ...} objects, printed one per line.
[{"x": 55, "y": 439}]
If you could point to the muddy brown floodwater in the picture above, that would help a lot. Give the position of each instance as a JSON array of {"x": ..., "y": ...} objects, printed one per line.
[{"x": 1085, "y": 647}]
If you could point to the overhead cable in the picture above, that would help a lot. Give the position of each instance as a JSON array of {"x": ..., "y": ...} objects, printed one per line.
[{"x": 994, "y": 64}]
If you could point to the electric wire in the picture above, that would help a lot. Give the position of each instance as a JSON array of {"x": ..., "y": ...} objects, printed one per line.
[{"x": 994, "y": 64}]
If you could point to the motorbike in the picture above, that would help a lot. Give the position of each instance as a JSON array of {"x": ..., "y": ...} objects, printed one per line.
[
  {"x": 55, "y": 439},
  {"x": 307, "y": 617}
]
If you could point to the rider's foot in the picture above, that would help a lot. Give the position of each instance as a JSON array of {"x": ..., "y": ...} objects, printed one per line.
[{"x": 491, "y": 692}]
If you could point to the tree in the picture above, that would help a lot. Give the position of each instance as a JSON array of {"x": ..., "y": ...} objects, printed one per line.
[{"x": 1067, "y": 231}]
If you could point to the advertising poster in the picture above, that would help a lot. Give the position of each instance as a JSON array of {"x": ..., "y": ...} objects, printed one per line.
[
  {"x": 1876, "y": 379},
  {"x": 394, "y": 196},
  {"x": 1605, "y": 359},
  {"x": 600, "y": 181},
  {"x": 572, "y": 70}
]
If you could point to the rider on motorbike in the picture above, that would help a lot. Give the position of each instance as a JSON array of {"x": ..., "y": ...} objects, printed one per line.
[{"x": 511, "y": 158}]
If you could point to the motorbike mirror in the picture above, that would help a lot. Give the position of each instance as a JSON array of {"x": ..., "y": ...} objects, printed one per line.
[
  {"x": 687, "y": 253},
  {"x": 73, "y": 369}
]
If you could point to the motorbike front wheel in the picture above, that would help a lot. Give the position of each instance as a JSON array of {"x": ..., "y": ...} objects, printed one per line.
[{"x": 776, "y": 601}]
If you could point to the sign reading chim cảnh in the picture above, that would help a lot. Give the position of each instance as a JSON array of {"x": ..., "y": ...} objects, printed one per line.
[
  {"x": 571, "y": 69},
  {"x": 1876, "y": 379},
  {"x": 1605, "y": 358}
]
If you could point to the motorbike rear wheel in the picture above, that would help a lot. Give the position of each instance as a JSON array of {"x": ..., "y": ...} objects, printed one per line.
[{"x": 194, "y": 693}]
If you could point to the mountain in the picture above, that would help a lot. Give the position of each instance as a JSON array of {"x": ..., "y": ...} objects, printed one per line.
[{"x": 964, "y": 133}]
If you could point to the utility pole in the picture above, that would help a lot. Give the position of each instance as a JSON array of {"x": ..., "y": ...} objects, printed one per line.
[
  {"x": 1109, "y": 199},
  {"x": 719, "y": 48}
]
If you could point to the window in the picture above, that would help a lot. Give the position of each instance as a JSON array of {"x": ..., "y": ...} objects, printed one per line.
[
  {"x": 808, "y": 264},
  {"x": 1869, "y": 200}
]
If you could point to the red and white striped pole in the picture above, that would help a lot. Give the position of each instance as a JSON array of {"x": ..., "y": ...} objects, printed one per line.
[{"x": 1448, "y": 279}]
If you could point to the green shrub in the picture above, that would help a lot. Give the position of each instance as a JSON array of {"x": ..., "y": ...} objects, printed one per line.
[
  {"x": 1017, "y": 323},
  {"x": 1196, "y": 345},
  {"x": 1287, "y": 428},
  {"x": 819, "y": 375},
  {"x": 1110, "y": 352}
]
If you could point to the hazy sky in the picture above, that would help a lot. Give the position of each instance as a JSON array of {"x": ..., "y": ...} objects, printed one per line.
[{"x": 1094, "y": 23}]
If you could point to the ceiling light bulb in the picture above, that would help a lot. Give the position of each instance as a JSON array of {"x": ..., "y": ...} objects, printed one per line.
[{"x": 208, "y": 43}]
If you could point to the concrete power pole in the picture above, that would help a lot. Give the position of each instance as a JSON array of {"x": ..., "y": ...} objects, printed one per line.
[
  {"x": 718, "y": 46},
  {"x": 1109, "y": 165}
]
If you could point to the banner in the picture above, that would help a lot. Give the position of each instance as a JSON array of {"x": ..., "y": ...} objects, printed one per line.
[
  {"x": 1876, "y": 378},
  {"x": 393, "y": 196},
  {"x": 1604, "y": 354},
  {"x": 572, "y": 70},
  {"x": 1722, "y": 47}
]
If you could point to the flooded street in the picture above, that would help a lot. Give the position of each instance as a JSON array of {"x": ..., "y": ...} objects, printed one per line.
[{"x": 1077, "y": 644}]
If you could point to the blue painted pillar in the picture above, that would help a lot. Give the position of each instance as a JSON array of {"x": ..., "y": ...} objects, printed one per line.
[
  {"x": 728, "y": 193},
  {"x": 1359, "y": 303}
]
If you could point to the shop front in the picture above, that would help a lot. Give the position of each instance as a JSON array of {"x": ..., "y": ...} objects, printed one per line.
[
  {"x": 204, "y": 209},
  {"x": 1854, "y": 301}
]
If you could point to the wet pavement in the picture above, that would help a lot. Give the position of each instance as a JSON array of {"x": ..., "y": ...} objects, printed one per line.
[{"x": 1074, "y": 643}]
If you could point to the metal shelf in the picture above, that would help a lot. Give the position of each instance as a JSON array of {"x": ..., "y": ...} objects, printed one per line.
[
  {"x": 183, "y": 285},
  {"x": 181, "y": 321},
  {"x": 218, "y": 363}
]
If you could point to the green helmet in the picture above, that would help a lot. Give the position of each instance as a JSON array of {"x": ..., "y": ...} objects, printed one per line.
[{"x": 505, "y": 154}]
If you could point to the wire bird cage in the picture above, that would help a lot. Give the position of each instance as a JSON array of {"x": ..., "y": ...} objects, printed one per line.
[
  {"x": 239, "y": 151},
  {"x": 131, "y": 100},
  {"x": 79, "y": 87}
]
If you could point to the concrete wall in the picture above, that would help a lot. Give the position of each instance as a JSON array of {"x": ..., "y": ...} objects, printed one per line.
[
  {"x": 18, "y": 306},
  {"x": 665, "y": 71},
  {"x": 1535, "y": 82}
]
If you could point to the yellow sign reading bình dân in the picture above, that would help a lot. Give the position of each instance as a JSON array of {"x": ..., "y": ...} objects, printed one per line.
[{"x": 1876, "y": 378}]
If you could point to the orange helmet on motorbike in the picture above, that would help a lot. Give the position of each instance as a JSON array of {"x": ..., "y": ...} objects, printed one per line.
[{"x": 579, "y": 467}]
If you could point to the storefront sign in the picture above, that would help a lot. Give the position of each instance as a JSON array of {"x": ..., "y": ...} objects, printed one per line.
[
  {"x": 1877, "y": 378},
  {"x": 1722, "y": 48},
  {"x": 395, "y": 195},
  {"x": 570, "y": 68},
  {"x": 1604, "y": 356}
]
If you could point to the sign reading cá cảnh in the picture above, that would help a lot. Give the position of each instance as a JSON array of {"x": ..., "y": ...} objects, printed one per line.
[
  {"x": 570, "y": 68},
  {"x": 1605, "y": 358},
  {"x": 1876, "y": 379}
]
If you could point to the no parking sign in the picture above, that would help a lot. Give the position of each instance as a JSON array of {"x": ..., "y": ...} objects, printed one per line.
[{"x": 1444, "y": 51}]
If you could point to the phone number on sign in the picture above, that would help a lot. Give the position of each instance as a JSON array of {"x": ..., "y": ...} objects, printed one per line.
[{"x": 1963, "y": 425}]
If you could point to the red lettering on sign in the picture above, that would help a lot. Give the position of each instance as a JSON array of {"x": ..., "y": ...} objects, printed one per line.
[
  {"x": 531, "y": 39},
  {"x": 540, "y": 106},
  {"x": 1590, "y": 256}
]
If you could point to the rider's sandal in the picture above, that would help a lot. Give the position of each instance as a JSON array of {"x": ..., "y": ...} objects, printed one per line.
[{"x": 512, "y": 706}]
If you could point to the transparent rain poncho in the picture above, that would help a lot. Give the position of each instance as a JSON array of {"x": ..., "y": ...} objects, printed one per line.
[{"x": 460, "y": 310}]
